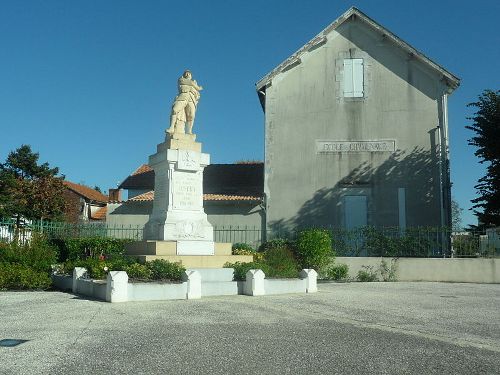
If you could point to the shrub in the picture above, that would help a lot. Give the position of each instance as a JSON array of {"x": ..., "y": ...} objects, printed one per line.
[
  {"x": 388, "y": 272},
  {"x": 367, "y": 274},
  {"x": 138, "y": 271},
  {"x": 335, "y": 272},
  {"x": 276, "y": 243},
  {"x": 164, "y": 270},
  {"x": 314, "y": 248},
  {"x": 242, "y": 247},
  {"x": 281, "y": 262},
  {"x": 81, "y": 248},
  {"x": 38, "y": 254},
  {"x": 20, "y": 276},
  {"x": 241, "y": 269}
]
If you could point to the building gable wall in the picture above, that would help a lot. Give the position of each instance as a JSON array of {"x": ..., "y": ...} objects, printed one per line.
[{"x": 402, "y": 101}]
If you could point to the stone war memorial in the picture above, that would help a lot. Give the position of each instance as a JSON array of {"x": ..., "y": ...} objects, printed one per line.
[{"x": 178, "y": 229}]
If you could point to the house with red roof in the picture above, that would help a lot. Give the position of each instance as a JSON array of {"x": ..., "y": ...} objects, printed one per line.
[{"x": 84, "y": 204}]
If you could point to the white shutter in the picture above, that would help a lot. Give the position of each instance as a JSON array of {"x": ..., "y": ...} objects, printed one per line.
[
  {"x": 348, "y": 82},
  {"x": 357, "y": 78}
]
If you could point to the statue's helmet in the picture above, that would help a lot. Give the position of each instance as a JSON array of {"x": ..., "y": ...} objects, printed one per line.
[{"x": 186, "y": 72}]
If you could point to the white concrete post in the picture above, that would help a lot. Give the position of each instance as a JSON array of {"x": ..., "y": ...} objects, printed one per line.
[
  {"x": 193, "y": 279},
  {"x": 311, "y": 278},
  {"x": 78, "y": 273},
  {"x": 254, "y": 285},
  {"x": 117, "y": 286}
]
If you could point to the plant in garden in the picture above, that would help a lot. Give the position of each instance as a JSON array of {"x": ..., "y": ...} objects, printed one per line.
[
  {"x": 164, "y": 270},
  {"x": 138, "y": 271},
  {"x": 335, "y": 271},
  {"x": 281, "y": 262},
  {"x": 241, "y": 269},
  {"x": 20, "y": 276},
  {"x": 367, "y": 274},
  {"x": 38, "y": 254},
  {"x": 388, "y": 272},
  {"x": 314, "y": 248}
]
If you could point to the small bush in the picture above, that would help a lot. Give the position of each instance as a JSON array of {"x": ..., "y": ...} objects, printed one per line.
[
  {"x": 276, "y": 243},
  {"x": 367, "y": 274},
  {"x": 336, "y": 272},
  {"x": 388, "y": 272},
  {"x": 85, "y": 247},
  {"x": 38, "y": 254},
  {"x": 241, "y": 269},
  {"x": 164, "y": 270},
  {"x": 314, "y": 248},
  {"x": 138, "y": 271},
  {"x": 281, "y": 262},
  {"x": 20, "y": 276},
  {"x": 241, "y": 246}
]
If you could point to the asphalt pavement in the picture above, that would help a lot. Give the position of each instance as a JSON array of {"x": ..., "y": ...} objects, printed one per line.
[{"x": 345, "y": 328}]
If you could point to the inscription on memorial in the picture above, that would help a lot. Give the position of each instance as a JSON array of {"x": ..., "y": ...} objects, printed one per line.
[
  {"x": 188, "y": 160},
  {"x": 355, "y": 146},
  {"x": 186, "y": 191}
]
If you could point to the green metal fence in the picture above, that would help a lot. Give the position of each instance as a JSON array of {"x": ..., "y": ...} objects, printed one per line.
[
  {"x": 366, "y": 241},
  {"x": 10, "y": 230}
]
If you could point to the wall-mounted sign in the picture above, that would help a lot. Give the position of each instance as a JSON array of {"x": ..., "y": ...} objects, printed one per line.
[{"x": 355, "y": 146}]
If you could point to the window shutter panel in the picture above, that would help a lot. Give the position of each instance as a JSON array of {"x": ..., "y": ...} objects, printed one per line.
[
  {"x": 348, "y": 81},
  {"x": 357, "y": 77}
]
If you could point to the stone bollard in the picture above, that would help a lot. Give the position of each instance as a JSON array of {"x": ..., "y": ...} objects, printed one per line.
[
  {"x": 193, "y": 279},
  {"x": 117, "y": 286},
  {"x": 254, "y": 285},
  {"x": 78, "y": 273},
  {"x": 311, "y": 278}
]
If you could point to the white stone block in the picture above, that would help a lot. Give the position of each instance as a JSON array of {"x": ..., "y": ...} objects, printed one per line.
[
  {"x": 78, "y": 273},
  {"x": 195, "y": 248},
  {"x": 117, "y": 286},
  {"x": 193, "y": 279},
  {"x": 311, "y": 277},
  {"x": 254, "y": 285}
]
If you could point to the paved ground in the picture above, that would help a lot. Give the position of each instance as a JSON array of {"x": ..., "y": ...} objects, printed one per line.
[{"x": 356, "y": 328}]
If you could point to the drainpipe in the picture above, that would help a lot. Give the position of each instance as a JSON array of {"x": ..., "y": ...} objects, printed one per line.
[{"x": 444, "y": 177}]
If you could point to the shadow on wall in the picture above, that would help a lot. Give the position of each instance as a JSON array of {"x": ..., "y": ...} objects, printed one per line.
[{"x": 416, "y": 171}]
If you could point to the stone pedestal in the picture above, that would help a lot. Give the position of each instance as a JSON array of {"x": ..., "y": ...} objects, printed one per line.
[{"x": 178, "y": 213}]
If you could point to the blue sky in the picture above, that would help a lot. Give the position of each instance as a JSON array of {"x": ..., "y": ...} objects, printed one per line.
[{"x": 89, "y": 84}]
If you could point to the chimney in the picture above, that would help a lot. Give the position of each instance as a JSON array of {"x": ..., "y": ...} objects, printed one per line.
[{"x": 115, "y": 195}]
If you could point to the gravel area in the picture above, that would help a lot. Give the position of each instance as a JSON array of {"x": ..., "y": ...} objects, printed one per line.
[{"x": 345, "y": 328}]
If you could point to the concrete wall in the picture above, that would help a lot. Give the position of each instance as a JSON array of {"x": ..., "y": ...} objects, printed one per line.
[
  {"x": 466, "y": 270},
  {"x": 402, "y": 102}
]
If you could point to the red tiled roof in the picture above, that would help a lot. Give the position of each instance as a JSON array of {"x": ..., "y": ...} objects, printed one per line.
[
  {"x": 100, "y": 214},
  {"x": 142, "y": 169},
  {"x": 144, "y": 197},
  {"x": 150, "y": 195},
  {"x": 86, "y": 192}
]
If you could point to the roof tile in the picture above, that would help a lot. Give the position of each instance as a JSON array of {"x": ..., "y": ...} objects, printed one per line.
[{"x": 86, "y": 192}]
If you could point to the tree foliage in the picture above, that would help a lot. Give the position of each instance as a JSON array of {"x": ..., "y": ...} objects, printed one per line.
[
  {"x": 456, "y": 216},
  {"x": 29, "y": 189},
  {"x": 487, "y": 140}
]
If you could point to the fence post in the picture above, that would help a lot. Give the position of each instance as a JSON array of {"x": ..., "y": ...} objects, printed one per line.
[
  {"x": 311, "y": 278},
  {"x": 117, "y": 286},
  {"x": 193, "y": 279},
  {"x": 78, "y": 273},
  {"x": 254, "y": 284}
]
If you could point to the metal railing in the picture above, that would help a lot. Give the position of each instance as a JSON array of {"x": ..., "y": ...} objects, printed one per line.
[{"x": 366, "y": 241}]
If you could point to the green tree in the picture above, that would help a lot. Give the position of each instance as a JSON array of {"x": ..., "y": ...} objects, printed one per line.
[
  {"x": 29, "y": 189},
  {"x": 456, "y": 216},
  {"x": 487, "y": 140}
]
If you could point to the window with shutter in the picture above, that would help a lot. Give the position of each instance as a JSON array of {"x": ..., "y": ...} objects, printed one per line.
[{"x": 353, "y": 78}]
